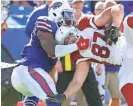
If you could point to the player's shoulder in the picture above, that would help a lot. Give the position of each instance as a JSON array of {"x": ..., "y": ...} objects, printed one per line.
[
  {"x": 45, "y": 19},
  {"x": 45, "y": 23},
  {"x": 43, "y": 7},
  {"x": 130, "y": 20},
  {"x": 84, "y": 21}
]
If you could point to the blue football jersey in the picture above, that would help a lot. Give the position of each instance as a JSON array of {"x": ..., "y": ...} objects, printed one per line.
[{"x": 33, "y": 54}]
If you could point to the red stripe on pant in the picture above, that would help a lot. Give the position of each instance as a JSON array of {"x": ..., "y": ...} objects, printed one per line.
[{"x": 42, "y": 82}]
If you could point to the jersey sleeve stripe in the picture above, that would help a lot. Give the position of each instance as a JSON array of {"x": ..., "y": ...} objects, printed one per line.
[
  {"x": 44, "y": 28},
  {"x": 44, "y": 23}
]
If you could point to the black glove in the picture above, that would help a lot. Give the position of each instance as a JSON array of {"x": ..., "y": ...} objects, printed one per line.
[
  {"x": 57, "y": 98},
  {"x": 112, "y": 34}
]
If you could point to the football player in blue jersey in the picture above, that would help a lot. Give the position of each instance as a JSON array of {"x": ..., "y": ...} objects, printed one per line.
[
  {"x": 39, "y": 11},
  {"x": 31, "y": 76}
]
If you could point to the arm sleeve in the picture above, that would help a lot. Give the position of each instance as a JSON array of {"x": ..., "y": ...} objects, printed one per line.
[
  {"x": 62, "y": 50},
  {"x": 43, "y": 24}
]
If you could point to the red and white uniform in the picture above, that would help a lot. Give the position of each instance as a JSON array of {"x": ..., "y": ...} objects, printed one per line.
[
  {"x": 100, "y": 78},
  {"x": 126, "y": 71},
  {"x": 99, "y": 50}
]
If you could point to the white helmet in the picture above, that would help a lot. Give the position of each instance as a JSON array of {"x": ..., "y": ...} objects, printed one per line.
[
  {"x": 65, "y": 31},
  {"x": 61, "y": 10}
]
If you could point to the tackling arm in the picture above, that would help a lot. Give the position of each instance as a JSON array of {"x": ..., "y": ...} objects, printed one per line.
[
  {"x": 62, "y": 50},
  {"x": 74, "y": 86},
  {"x": 47, "y": 41},
  {"x": 79, "y": 77}
]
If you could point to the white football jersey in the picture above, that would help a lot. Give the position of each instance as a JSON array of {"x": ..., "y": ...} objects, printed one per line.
[
  {"x": 101, "y": 51},
  {"x": 126, "y": 72},
  {"x": 128, "y": 33}
]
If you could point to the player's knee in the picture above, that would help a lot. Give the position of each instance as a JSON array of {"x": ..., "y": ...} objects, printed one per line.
[
  {"x": 115, "y": 93},
  {"x": 116, "y": 96}
]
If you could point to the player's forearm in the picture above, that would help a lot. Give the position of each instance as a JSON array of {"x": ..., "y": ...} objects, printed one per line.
[
  {"x": 73, "y": 87},
  {"x": 47, "y": 42},
  {"x": 49, "y": 47},
  {"x": 78, "y": 80},
  {"x": 62, "y": 50}
]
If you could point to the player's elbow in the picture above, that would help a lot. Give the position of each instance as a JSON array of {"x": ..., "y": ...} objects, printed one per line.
[{"x": 118, "y": 10}]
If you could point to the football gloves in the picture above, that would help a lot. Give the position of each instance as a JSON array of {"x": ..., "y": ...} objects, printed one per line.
[
  {"x": 112, "y": 34},
  {"x": 56, "y": 98}
]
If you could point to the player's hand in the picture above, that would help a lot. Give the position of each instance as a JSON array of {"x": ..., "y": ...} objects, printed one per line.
[
  {"x": 57, "y": 98},
  {"x": 83, "y": 44},
  {"x": 112, "y": 34},
  {"x": 58, "y": 66}
]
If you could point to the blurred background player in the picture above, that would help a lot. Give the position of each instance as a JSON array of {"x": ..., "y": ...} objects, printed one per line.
[
  {"x": 99, "y": 69},
  {"x": 126, "y": 71},
  {"x": 111, "y": 71},
  {"x": 99, "y": 7},
  {"x": 111, "y": 82}
]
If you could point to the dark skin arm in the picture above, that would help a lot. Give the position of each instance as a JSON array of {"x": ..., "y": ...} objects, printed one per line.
[{"x": 47, "y": 42}]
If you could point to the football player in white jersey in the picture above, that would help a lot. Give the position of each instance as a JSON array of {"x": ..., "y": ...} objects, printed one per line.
[
  {"x": 126, "y": 71},
  {"x": 98, "y": 48}
]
